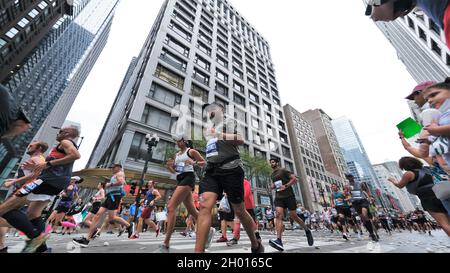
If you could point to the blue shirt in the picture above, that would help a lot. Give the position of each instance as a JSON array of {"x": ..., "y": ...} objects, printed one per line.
[
  {"x": 133, "y": 210},
  {"x": 434, "y": 9}
]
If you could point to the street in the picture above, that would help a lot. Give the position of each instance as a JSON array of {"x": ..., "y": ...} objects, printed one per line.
[{"x": 294, "y": 241}]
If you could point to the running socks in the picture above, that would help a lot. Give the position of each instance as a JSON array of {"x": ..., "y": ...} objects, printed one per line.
[{"x": 19, "y": 220}]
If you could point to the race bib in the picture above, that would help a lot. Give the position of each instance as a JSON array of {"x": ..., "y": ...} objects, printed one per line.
[
  {"x": 278, "y": 184},
  {"x": 179, "y": 167},
  {"x": 356, "y": 195},
  {"x": 211, "y": 148},
  {"x": 28, "y": 188}
]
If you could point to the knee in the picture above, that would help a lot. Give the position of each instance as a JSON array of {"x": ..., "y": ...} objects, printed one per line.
[{"x": 171, "y": 208}]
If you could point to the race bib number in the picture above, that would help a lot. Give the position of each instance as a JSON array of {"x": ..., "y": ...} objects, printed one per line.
[
  {"x": 28, "y": 188},
  {"x": 211, "y": 148},
  {"x": 356, "y": 195},
  {"x": 278, "y": 184},
  {"x": 179, "y": 167}
]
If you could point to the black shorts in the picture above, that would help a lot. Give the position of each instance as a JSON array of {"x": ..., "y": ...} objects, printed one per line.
[
  {"x": 301, "y": 216},
  {"x": 111, "y": 204},
  {"x": 286, "y": 203},
  {"x": 229, "y": 217},
  {"x": 358, "y": 205},
  {"x": 271, "y": 221},
  {"x": 62, "y": 209},
  {"x": 95, "y": 207},
  {"x": 186, "y": 179},
  {"x": 344, "y": 211},
  {"x": 37, "y": 187},
  {"x": 334, "y": 219},
  {"x": 229, "y": 181},
  {"x": 432, "y": 204}
]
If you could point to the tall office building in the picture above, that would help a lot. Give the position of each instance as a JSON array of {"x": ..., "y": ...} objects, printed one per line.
[
  {"x": 199, "y": 52},
  {"x": 315, "y": 181},
  {"x": 48, "y": 81},
  {"x": 354, "y": 153},
  {"x": 23, "y": 24},
  {"x": 330, "y": 150}
]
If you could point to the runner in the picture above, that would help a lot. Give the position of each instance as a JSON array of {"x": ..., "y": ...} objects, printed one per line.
[
  {"x": 382, "y": 217},
  {"x": 226, "y": 220},
  {"x": 151, "y": 196},
  {"x": 183, "y": 166},
  {"x": 361, "y": 204},
  {"x": 339, "y": 201},
  {"x": 249, "y": 206},
  {"x": 224, "y": 173},
  {"x": 270, "y": 216},
  {"x": 114, "y": 192},
  {"x": 68, "y": 196},
  {"x": 283, "y": 180},
  {"x": 54, "y": 176},
  {"x": 96, "y": 204}
]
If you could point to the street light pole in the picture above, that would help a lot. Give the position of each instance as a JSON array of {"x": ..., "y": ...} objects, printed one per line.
[{"x": 151, "y": 141}]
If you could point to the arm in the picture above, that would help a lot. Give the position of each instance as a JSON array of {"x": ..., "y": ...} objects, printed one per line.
[
  {"x": 120, "y": 180},
  {"x": 157, "y": 197},
  {"x": 292, "y": 181},
  {"x": 199, "y": 160},
  {"x": 437, "y": 130},
  {"x": 366, "y": 189},
  {"x": 406, "y": 178},
  {"x": 169, "y": 165},
  {"x": 421, "y": 152}
]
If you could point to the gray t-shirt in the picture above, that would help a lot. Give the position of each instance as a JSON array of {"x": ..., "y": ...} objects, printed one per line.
[{"x": 218, "y": 150}]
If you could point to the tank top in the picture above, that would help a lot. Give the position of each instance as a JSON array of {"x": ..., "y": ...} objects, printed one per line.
[
  {"x": 357, "y": 193},
  {"x": 115, "y": 190},
  {"x": 180, "y": 166},
  {"x": 97, "y": 195},
  {"x": 338, "y": 198},
  {"x": 149, "y": 197}
]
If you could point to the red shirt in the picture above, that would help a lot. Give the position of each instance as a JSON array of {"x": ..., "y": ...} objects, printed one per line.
[
  {"x": 196, "y": 201},
  {"x": 248, "y": 195}
]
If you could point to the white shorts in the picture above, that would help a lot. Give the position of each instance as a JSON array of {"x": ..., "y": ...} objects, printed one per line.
[{"x": 39, "y": 197}]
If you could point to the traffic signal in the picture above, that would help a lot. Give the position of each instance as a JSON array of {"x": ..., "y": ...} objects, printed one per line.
[{"x": 133, "y": 188}]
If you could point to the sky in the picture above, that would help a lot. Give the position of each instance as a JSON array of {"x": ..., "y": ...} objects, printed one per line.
[{"x": 326, "y": 54}]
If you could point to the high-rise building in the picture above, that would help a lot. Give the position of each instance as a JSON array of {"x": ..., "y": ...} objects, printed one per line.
[
  {"x": 354, "y": 153},
  {"x": 23, "y": 24},
  {"x": 315, "y": 181},
  {"x": 396, "y": 198},
  {"x": 198, "y": 53},
  {"x": 49, "y": 80},
  {"x": 332, "y": 156}
]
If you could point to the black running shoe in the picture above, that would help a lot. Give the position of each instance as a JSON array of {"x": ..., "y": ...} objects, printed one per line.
[
  {"x": 277, "y": 244},
  {"x": 4, "y": 250},
  {"x": 374, "y": 237},
  {"x": 309, "y": 237},
  {"x": 121, "y": 231},
  {"x": 83, "y": 242},
  {"x": 130, "y": 229},
  {"x": 95, "y": 234}
]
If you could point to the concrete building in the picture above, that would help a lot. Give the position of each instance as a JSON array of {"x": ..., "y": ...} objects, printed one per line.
[{"x": 198, "y": 53}]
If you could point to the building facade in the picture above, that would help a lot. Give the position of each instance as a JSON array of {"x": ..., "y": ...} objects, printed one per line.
[
  {"x": 23, "y": 24},
  {"x": 48, "y": 81},
  {"x": 199, "y": 52},
  {"x": 315, "y": 181}
]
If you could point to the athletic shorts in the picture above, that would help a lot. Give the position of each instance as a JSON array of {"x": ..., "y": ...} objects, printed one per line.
[
  {"x": 432, "y": 204},
  {"x": 147, "y": 212},
  {"x": 111, "y": 204},
  {"x": 286, "y": 203},
  {"x": 95, "y": 207},
  {"x": 334, "y": 219},
  {"x": 271, "y": 221},
  {"x": 344, "y": 211},
  {"x": 358, "y": 205},
  {"x": 62, "y": 209},
  {"x": 38, "y": 190},
  {"x": 229, "y": 181},
  {"x": 186, "y": 179},
  {"x": 229, "y": 217}
]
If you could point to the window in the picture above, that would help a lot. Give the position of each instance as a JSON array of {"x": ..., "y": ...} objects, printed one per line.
[
  {"x": 240, "y": 115},
  {"x": 422, "y": 34},
  {"x": 257, "y": 138},
  {"x": 259, "y": 153},
  {"x": 202, "y": 62},
  {"x": 253, "y": 97},
  {"x": 238, "y": 73},
  {"x": 254, "y": 109},
  {"x": 273, "y": 147},
  {"x": 222, "y": 61},
  {"x": 281, "y": 126},
  {"x": 221, "y": 76},
  {"x": 179, "y": 47},
  {"x": 156, "y": 118},
  {"x": 221, "y": 89},
  {"x": 22, "y": 23},
  {"x": 203, "y": 48},
  {"x": 138, "y": 149},
  {"x": 163, "y": 95},
  {"x": 289, "y": 166},
  {"x": 205, "y": 37},
  {"x": 283, "y": 138},
  {"x": 270, "y": 131},
  {"x": 173, "y": 60},
  {"x": 239, "y": 100},
  {"x": 265, "y": 93},
  {"x": 435, "y": 47},
  {"x": 180, "y": 31},
  {"x": 2, "y": 42},
  {"x": 434, "y": 27},
  {"x": 206, "y": 29},
  {"x": 410, "y": 23},
  {"x": 276, "y": 101},
  {"x": 251, "y": 74},
  {"x": 197, "y": 91},
  {"x": 33, "y": 13},
  {"x": 182, "y": 20},
  {"x": 255, "y": 123},
  {"x": 169, "y": 77},
  {"x": 237, "y": 63},
  {"x": 12, "y": 32},
  {"x": 239, "y": 87},
  {"x": 200, "y": 76},
  {"x": 268, "y": 118},
  {"x": 222, "y": 51},
  {"x": 267, "y": 106}
]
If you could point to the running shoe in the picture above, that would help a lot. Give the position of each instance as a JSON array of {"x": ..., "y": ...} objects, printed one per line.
[
  {"x": 109, "y": 232},
  {"x": 95, "y": 234},
  {"x": 277, "y": 244},
  {"x": 374, "y": 237},
  {"x": 133, "y": 237},
  {"x": 260, "y": 248},
  {"x": 344, "y": 235},
  {"x": 4, "y": 250},
  {"x": 33, "y": 244},
  {"x": 183, "y": 233},
  {"x": 309, "y": 237},
  {"x": 83, "y": 242},
  {"x": 163, "y": 248},
  {"x": 222, "y": 240},
  {"x": 130, "y": 229},
  {"x": 258, "y": 237},
  {"x": 232, "y": 242},
  {"x": 210, "y": 237},
  {"x": 121, "y": 231}
]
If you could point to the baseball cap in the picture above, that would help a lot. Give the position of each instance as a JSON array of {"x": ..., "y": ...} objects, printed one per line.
[
  {"x": 77, "y": 179},
  {"x": 419, "y": 88},
  {"x": 116, "y": 165}
]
